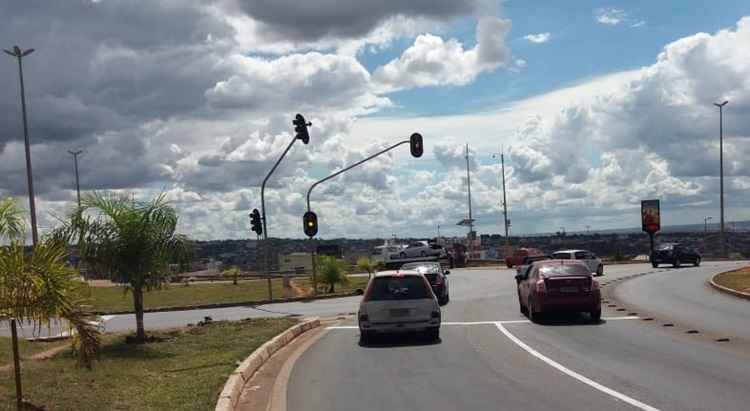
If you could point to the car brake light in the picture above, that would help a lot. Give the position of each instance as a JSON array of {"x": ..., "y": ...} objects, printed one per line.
[
  {"x": 594, "y": 285},
  {"x": 540, "y": 287}
]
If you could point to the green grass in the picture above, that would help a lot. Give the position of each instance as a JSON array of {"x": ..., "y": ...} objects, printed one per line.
[
  {"x": 354, "y": 283},
  {"x": 113, "y": 299},
  {"x": 185, "y": 371},
  {"x": 737, "y": 280},
  {"x": 25, "y": 348}
]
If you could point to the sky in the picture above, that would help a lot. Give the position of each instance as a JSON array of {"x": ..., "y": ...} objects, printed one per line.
[{"x": 596, "y": 105}]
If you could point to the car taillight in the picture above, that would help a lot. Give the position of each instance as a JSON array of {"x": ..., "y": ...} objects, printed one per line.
[
  {"x": 368, "y": 291},
  {"x": 594, "y": 285},
  {"x": 540, "y": 287}
]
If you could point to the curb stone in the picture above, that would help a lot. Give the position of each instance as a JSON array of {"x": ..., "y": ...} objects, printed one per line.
[
  {"x": 727, "y": 290},
  {"x": 230, "y": 395}
]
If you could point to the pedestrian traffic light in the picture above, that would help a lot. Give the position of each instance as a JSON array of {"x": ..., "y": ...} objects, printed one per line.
[
  {"x": 310, "y": 224},
  {"x": 255, "y": 222},
  {"x": 300, "y": 128},
  {"x": 415, "y": 142}
]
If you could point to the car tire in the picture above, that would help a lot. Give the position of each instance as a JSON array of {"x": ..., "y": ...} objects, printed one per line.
[
  {"x": 596, "y": 316},
  {"x": 534, "y": 317},
  {"x": 655, "y": 265},
  {"x": 521, "y": 308},
  {"x": 365, "y": 337},
  {"x": 509, "y": 265},
  {"x": 676, "y": 263},
  {"x": 600, "y": 270},
  {"x": 697, "y": 262},
  {"x": 433, "y": 334}
]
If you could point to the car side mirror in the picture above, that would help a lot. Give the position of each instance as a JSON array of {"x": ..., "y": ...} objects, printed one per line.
[{"x": 446, "y": 272}]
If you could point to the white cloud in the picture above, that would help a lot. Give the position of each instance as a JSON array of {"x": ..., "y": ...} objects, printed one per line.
[
  {"x": 538, "y": 37},
  {"x": 432, "y": 61},
  {"x": 610, "y": 16}
]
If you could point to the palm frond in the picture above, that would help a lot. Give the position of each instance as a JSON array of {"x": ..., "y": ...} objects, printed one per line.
[{"x": 12, "y": 223}]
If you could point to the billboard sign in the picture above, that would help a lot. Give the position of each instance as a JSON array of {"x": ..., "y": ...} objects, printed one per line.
[{"x": 650, "y": 217}]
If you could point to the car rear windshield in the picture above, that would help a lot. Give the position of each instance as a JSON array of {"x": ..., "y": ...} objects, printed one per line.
[
  {"x": 410, "y": 287},
  {"x": 564, "y": 270},
  {"x": 561, "y": 256}
]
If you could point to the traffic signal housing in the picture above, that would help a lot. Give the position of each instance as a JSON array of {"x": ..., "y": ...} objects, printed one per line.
[
  {"x": 310, "y": 224},
  {"x": 300, "y": 128},
  {"x": 255, "y": 222},
  {"x": 415, "y": 144}
]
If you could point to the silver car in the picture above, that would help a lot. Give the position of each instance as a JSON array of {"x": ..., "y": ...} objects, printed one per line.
[
  {"x": 398, "y": 302},
  {"x": 593, "y": 262},
  {"x": 421, "y": 249}
]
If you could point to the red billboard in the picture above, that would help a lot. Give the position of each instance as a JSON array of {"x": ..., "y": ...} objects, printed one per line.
[{"x": 650, "y": 217}]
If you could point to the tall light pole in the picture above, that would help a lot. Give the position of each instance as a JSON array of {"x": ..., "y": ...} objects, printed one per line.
[
  {"x": 705, "y": 225},
  {"x": 468, "y": 185},
  {"x": 19, "y": 55},
  {"x": 75, "y": 155},
  {"x": 721, "y": 174},
  {"x": 505, "y": 201}
]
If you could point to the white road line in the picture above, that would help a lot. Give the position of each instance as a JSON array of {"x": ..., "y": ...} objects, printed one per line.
[{"x": 574, "y": 374}]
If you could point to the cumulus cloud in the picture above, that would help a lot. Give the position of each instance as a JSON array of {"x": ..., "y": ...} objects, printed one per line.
[
  {"x": 538, "y": 37},
  {"x": 432, "y": 61}
]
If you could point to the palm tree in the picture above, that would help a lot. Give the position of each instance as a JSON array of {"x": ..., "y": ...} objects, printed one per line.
[
  {"x": 332, "y": 271},
  {"x": 40, "y": 287},
  {"x": 369, "y": 265},
  {"x": 132, "y": 242}
]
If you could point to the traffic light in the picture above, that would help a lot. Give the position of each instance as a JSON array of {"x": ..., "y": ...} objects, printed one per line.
[
  {"x": 310, "y": 224},
  {"x": 300, "y": 128},
  {"x": 255, "y": 222},
  {"x": 415, "y": 144}
]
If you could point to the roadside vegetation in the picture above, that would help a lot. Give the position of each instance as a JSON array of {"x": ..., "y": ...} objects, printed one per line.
[
  {"x": 183, "y": 369},
  {"x": 738, "y": 280}
]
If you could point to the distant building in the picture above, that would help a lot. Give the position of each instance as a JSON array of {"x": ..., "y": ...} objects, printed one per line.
[{"x": 295, "y": 262}]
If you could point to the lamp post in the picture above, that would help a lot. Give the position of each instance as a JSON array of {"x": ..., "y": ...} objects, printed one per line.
[
  {"x": 19, "y": 55},
  {"x": 721, "y": 175},
  {"x": 75, "y": 155},
  {"x": 505, "y": 202},
  {"x": 705, "y": 225}
]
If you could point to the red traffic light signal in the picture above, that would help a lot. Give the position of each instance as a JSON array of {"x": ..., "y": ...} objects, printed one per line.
[
  {"x": 415, "y": 145},
  {"x": 300, "y": 128},
  {"x": 310, "y": 224}
]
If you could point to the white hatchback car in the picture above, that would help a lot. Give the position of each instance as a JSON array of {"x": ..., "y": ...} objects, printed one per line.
[
  {"x": 587, "y": 257},
  {"x": 397, "y": 302}
]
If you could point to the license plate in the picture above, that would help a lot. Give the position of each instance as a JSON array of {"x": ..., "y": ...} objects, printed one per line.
[
  {"x": 400, "y": 312},
  {"x": 568, "y": 289}
]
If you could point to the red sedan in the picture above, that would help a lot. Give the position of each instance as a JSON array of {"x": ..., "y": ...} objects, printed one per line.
[{"x": 551, "y": 286}]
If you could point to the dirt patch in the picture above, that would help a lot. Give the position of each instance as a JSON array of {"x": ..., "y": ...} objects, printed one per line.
[{"x": 738, "y": 280}]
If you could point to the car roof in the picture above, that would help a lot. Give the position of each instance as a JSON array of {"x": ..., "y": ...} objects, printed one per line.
[
  {"x": 392, "y": 273},
  {"x": 570, "y": 251},
  {"x": 559, "y": 262}
]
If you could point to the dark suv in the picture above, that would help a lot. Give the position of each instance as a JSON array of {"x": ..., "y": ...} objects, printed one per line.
[{"x": 675, "y": 254}]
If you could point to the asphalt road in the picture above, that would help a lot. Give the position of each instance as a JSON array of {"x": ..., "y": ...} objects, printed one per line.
[{"x": 490, "y": 358}]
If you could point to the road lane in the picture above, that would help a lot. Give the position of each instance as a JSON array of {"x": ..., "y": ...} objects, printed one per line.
[{"x": 477, "y": 367}]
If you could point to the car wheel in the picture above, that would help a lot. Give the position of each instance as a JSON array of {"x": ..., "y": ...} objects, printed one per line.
[
  {"x": 676, "y": 263},
  {"x": 697, "y": 262},
  {"x": 365, "y": 337},
  {"x": 600, "y": 270},
  {"x": 433, "y": 334},
  {"x": 509, "y": 265},
  {"x": 655, "y": 265},
  {"x": 533, "y": 316},
  {"x": 596, "y": 316}
]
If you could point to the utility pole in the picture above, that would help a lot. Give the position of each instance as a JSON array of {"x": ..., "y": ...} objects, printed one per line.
[
  {"x": 505, "y": 201},
  {"x": 721, "y": 175},
  {"x": 705, "y": 225},
  {"x": 75, "y": 155},
  {"x": 19, "y": 55},
  {"x": 438, "y": 234},
  {"x": 468, "y": 184}
]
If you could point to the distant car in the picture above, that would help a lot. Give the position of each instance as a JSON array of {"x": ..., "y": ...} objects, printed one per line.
[
  {"x": 420, "y": 249},
  {"x": 675, "y": 254},
  {"x": 593, "y": 262},
  {"x": 436, "y": 276},
  {"x": 386, "y": 253},
  {"x": 558, "y": 286},
  {"x": 518, "y": 255},
  {"x": 398, "y": 302}
]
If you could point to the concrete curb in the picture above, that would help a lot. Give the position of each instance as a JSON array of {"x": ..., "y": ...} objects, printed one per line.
[
  {"x": 230, "y": 395},
  {"x": 727, "y": 290},
  {"x": 227, "y": 305}
]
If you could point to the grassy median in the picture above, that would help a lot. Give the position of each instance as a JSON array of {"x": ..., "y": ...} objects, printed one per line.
[
  {"x": 185, "y": 370},
  {"x": 114, "y": 299},
  {"x": 738, "y": 280}
]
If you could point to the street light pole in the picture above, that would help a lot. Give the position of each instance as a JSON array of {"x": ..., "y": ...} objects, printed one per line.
[
  {"x": 505, "y": 201},
  {"x": 721, "y": 174},
  {"x": 75, "y": 155},
  {"x": 705, "y": 225},
  {"x": 19, "y": 55}
]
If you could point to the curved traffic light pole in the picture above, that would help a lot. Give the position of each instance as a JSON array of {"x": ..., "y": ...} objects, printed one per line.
[{"x": 351, "y": 167}]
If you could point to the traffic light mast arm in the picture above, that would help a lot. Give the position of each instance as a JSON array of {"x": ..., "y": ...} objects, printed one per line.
[
  {"x": 263, "y": 187},
  {"x": 349, "y": 168}
]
